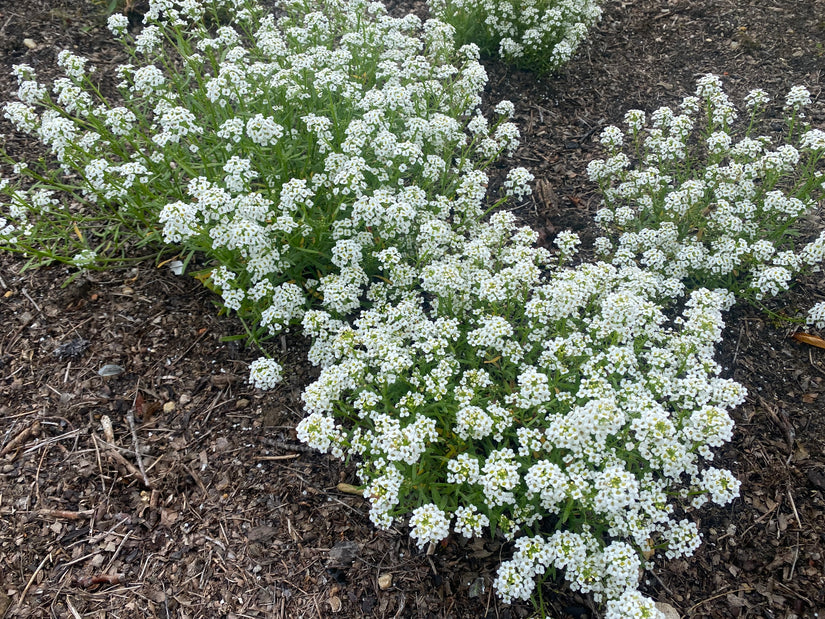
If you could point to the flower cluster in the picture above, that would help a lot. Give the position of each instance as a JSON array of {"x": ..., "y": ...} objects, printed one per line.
[
  {"x": 704, "y": 206},
  {"x": 541, "y": 35},
  {"x": 289, "y": 150},
  {"x": 566, "y": 398}
]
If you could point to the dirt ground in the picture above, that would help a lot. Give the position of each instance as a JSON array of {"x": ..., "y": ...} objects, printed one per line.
[{"x": 225, "y": 514}]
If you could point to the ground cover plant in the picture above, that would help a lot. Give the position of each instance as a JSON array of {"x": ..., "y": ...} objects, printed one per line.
[
  {"x": 461, "y": 271},
  {"x": 696, "y": 202},
  {"x": 539, "y": 35},
  {"x": 287, "y": 151}
]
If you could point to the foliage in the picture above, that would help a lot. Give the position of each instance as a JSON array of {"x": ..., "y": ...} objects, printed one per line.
[
  {"x": 541, "y": 35},
  {"x": 694, "y": 199},
  {"x": 328, "y": 165},
  {"x": 563, "y": 410},
  {"x": 288, "y": 150}
]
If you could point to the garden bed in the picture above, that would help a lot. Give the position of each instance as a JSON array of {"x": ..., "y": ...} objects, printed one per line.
[{"x": 240, "y": 519}]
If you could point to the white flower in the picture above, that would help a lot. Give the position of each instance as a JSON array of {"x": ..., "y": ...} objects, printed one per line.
[
  {"x": 505, "y": 108},
  {"x": 264, "y": 130},
  {"x": 429, "y": 524},
  {"x": 612, "y": 137},
  {"x": 756, "y": 98},
  {"x": 74, "y": 66},
  {"x": 797, "y": 98},
  {"x": 722, "y": 486},
  {"x": 632, "y": 605},
  {"x": 518, "y": 183},
  {"x": 84, "y": 258},
  {"x": 813, "y": 139},
  {"x": 682, "y": 539},
  {"x": 635, "y": 120},
  {"x": 469, "y": 522},
  {"x": 816, "y": 315},
  {"x": 265, "y": 373}
]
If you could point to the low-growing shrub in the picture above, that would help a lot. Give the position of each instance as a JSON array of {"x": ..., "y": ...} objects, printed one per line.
[
  {"x": 697, "y": 198},
  {"x": 286, "y": 150},
  {"x": 563, "y": 410},
  {"x": 328, "y": 166},
  {"x": 540, "y": 35}
]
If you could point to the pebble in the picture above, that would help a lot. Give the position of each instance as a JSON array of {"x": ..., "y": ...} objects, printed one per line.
[
  {"x": 168, "y": 407},
  {"x": 30, "y": 43},
  {"x": 335, "y": 603},
  {"x": 110, "y": 369},
  {"x": 667, "y": 610},
  {"x": 384, "y": 581}
]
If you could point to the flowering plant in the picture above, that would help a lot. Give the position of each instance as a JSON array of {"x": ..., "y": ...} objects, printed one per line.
[
  {"x": 287, "y": 151},
  {"x": 329, "y": 165},
  {"x": 563, "y": 410},
  {"x": 693, "y": 202},
  {"x": 540, "y": 35}
]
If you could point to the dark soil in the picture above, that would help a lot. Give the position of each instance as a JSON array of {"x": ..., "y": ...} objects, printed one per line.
[{"x": 234, "y": 518}]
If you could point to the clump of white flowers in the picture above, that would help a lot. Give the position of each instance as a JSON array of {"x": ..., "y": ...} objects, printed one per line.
[
  {"x": 483, "y": 391},
  {"x": 289, "y": 150},
  {"x": 689, "y": 196},
  {"x": 540, "y": 35}
]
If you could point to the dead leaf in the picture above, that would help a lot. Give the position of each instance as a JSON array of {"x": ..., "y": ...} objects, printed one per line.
[
  {"x": 807, "y": 338},
  {"x": 261, "y": 534},
  {"x": 349, "y": 489},
  {"x": 168, "y": 516}
]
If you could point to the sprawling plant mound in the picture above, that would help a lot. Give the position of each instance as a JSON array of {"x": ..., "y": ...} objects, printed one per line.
[
  {"x": 705, "y": 199},
  {"x": 563, "y": 410},
  {"x": 287, "y": 150},
  {"x": 540, "y": 35}
]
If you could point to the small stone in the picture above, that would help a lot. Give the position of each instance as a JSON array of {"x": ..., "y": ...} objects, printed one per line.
[
  {"x": 185, "y": 399},
  {"x": 384, "y": 581},
  {"x": 477, "y": 588},
  {"x": 110, "y": 369},
  {"x": 242, "y": 403},
  {"x": 667, "y": 610},
  {"x": 168, "y": 407},
  {"x": 334, "y": 603},
  {"x": 30, "y": 43}
]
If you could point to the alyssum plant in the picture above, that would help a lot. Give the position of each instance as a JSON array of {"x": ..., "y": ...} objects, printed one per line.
[
  {"x": 699, "y": 198},
  {"x": 540, "y": 35},
  {"x": 563, "y": 410},
  {"x": 288, "y": 151}
]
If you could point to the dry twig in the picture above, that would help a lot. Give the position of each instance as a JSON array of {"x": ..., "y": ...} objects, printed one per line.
[
  {"x": 33, "y": 431},
  {"x": 114, "y": 454},
  {"x": 130, "y": 417},
  {"x": 68, "y": 515},
  {"x": 31, "y": 580}
]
